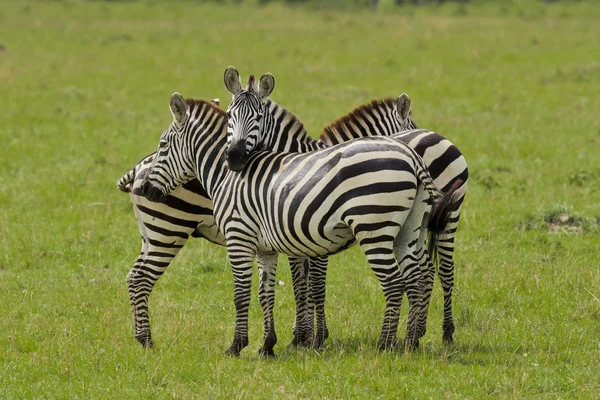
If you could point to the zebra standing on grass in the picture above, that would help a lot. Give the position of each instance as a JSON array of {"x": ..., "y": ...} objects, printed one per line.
[
  {"x": 445, "y": 163},
  {"x": 257, "y": 120},
  {"x": 271, "y": 207},
  {"x": 165, "y": 227}
]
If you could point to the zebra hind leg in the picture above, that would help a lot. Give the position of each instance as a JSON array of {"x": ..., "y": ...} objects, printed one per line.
[
  {"x": 383, "y": 263},
  {"x": 267, "y": 265},
  {"x": 317, "y": 274},
  {"x": 303, "y": 325}
]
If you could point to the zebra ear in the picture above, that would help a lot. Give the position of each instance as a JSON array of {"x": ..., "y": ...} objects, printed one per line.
[
  {"x": 215, "y": 102},
  {"x": 232, "y": 80},
  {"x": 179, "y": 108},
  {"x": 266, "y": 85},
  {"x": 403, "y": 106}
]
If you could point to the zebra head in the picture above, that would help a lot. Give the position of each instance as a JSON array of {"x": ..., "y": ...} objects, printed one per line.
[
  {"x": 403, "y": 112},
  {"x": 245, "y": 116},
  {"x": 170, "y": 167}
]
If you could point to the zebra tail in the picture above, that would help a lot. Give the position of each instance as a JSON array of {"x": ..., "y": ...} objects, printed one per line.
[
  {"x": 440, "y": 215},
  {"x": 124, "y": 182}
]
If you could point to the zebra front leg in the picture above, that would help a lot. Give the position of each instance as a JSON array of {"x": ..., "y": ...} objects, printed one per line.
[
  {"x": 317, "y": 277},
  {"x": 267, "y": 266},
  {"x": 241, "y": 264},
  {"x": 303, "y": 325}
]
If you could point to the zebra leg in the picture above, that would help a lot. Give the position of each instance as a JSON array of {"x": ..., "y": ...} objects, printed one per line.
[
  {"x": 156, "y": 255},
  {"x": 445, "y": 250},
  {"x": 241, "y": 260},
  {"x": 381, "y": 259},
  {"x": 428, "y": 274},
  {"x": 446, "y": 275},
  {"x": 267, "y": 265},
  {"x": 408, "y": 245},
  {"x": 317, "y": 274},
  {"x": 303, "y": 325}
]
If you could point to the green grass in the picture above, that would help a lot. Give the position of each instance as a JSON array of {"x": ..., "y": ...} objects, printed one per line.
[{"x": 84, "y": 89}]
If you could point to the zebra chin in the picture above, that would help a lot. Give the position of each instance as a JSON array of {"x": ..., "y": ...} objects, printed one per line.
[
  {"x": 237, "y": 164},
  {"x": 236, "y": 155},
  {"x": 152, "y": 193}
]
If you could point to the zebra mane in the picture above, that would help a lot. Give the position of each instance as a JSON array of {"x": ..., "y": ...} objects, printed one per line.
[
  {"x": 200, "y": 103},
  {"x": 294, "y": 128},
  {"x": 354, "y": 117}
]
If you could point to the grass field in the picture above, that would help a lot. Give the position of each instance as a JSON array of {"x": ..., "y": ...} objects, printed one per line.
[{"x": 84, "y": 90}]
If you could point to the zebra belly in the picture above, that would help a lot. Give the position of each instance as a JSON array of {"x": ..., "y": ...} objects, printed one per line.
[{"x": 334, "y": 238}]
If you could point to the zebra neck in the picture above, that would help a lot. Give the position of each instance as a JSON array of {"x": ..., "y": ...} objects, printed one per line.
[
  {"x": 208, "y": 145},
  {"x": 283, "y": 132}
]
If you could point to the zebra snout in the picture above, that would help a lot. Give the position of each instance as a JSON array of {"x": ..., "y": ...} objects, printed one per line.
[{"x": 236, "y": 156}]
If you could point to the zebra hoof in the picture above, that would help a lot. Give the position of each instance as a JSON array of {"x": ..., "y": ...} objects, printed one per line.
[
  {"x": 411, "y": 345},
  {"x": 319, "y": 342},
  {"x": 387, "y": 344},
  {"x": 232, "y": 352},
  {"x": 266, "y": 353},
  {"x": 447, "y": 338},
  {"x": 145, "y": 340}
]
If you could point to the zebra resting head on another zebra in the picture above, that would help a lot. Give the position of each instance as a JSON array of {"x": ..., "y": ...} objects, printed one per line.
[
  {"x": 375, "y": 191},
  {"x": 245, "y": 113}
]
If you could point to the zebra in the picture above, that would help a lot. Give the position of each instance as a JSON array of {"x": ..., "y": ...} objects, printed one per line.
[
  {"x": 165, "y": 227},
  {"x": 258, "y": 208},
  {"x": 380, "y": 117},
  {"x": 181, "y": 214}
]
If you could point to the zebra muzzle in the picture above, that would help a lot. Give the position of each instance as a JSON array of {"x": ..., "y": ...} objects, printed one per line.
[{"x": 236, "y": 156}]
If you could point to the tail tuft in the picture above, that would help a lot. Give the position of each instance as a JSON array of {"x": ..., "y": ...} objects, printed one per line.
[
  {"x": 440, "y": 212},
  {"x": 440, "y": 215}
]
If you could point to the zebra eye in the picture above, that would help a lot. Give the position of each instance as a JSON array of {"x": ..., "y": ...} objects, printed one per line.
[{"x": 228, "y": 114}]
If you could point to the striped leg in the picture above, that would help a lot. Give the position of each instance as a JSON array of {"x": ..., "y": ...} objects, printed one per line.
[
  {"x": 267, "y": 265},
  {"x": 405, "y": 249},
  {"x": 156, "y": 255},
  {"x": 428, "y": 273},
  {"x": 241, "y": 259},
  {"x": 303, "y": 325},
  {"x": 445, "y": 249},
  {"x": 378, "y": 248},
  {"x": 317, "y": 274}
]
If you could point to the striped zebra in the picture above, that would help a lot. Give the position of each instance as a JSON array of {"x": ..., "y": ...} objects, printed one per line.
[
  {"x": 255, "y": 125},
  {"x": 445, "y": 163},
  {"x": 188, "y": 211},
  {"x": 279, "y": 203},
  {"x": 165, "y": 227}
]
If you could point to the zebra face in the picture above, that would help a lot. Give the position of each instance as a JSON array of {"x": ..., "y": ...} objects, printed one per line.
[
  {"x": 245, "y": 116},
  {"x": 171, "y": 168}
]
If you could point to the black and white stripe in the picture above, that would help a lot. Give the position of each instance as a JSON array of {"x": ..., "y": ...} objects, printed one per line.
[{"x": 375, "y": 190}]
